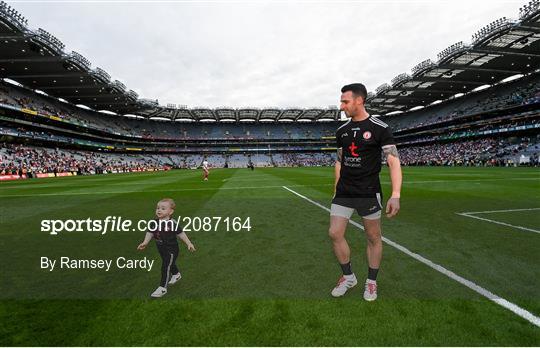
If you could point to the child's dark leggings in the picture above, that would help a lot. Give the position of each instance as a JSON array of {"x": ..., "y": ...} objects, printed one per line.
[{"x": 168, "y": 253}]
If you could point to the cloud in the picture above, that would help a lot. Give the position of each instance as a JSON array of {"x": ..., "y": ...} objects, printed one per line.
[{"x": 259, "y": 53}]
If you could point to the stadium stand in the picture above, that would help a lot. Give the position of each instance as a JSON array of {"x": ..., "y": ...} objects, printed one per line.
[
  {"x": 482, "y": 152},
  {"x": 504, "y": 96},
  {"x": 477, "y": 105}
]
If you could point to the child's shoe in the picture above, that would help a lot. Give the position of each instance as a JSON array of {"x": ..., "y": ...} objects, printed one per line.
[
  {"x": 175, "y": 278},
  {"x": 160, "y": 291}
]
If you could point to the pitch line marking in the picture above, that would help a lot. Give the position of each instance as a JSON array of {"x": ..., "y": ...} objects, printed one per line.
[
  {"x": 523, "y": 313},
  {"x": 497, "y": 211},
  {"x": 499, "y": 223}
]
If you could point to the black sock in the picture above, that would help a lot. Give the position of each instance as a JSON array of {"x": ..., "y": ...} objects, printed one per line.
[
  {"x": 346, "y": 268},
  {"x": 372, "y": 273}
]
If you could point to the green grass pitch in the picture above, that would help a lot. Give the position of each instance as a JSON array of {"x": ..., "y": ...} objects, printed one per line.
[{"x": 271, "y": 285}]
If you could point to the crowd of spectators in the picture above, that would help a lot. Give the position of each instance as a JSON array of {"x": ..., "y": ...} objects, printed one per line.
[
  {"x": 30, "y": 160},
  {"x": 480, "y": 152},
  {"x": 304, "y": 159}
]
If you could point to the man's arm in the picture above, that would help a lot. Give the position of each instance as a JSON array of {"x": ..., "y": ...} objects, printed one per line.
[
  {"x": 337, "y": 167},
  {"x": 392, "y": 158}
]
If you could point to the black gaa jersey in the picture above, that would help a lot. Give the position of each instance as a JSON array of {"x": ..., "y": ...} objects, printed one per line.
[
  {"x": 165, "y": 231},
  {"x": 361, "y": 144}
]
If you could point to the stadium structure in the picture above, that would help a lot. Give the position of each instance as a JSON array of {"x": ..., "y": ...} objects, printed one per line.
[
  {"x": 477, "y": 104},
  {"x": 461, "y": 261}
]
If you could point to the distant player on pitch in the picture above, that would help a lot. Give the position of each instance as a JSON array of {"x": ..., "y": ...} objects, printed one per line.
[
  {"x": 206, "y": 169},
  {"x": 357, "y": 186}
]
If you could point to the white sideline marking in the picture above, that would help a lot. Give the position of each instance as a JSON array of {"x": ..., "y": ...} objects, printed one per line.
[
  {"x": 497, "y": 211},
  {"x": 498, "y": 222},
  {"x": 484, "y": 292}
]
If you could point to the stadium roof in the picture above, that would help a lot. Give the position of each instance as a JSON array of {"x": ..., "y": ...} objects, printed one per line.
[
  {"x": 502, "y": 49},
  {"x": 36, "y": 59},
  {"x": 243, "y": 114}
]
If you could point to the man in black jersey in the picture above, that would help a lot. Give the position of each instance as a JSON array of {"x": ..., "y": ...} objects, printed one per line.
[{"x": 360, "y": 141}]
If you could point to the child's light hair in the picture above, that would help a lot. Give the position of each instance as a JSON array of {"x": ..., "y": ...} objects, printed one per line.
[{"x": 170, "y": 201}]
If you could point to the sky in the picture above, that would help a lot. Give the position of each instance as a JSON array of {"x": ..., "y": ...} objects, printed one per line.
[{"x": 259, "y": 53}]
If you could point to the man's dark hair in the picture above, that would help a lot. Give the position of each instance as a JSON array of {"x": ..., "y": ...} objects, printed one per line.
[{"x": 358, "y": 89}]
